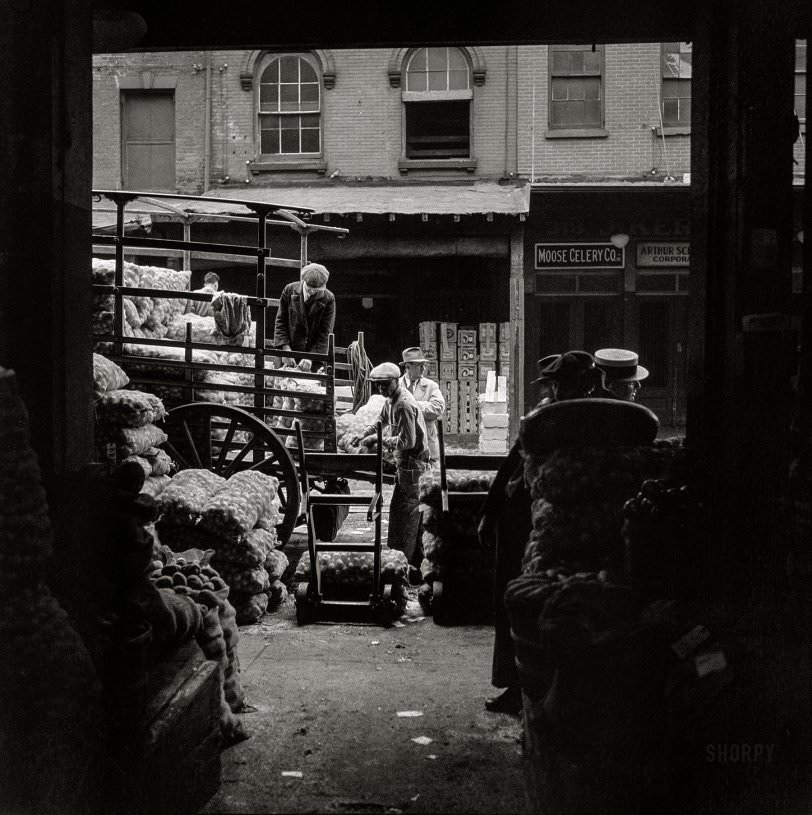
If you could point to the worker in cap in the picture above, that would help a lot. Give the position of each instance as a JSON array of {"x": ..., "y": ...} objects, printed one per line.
[
  {"x": 306, "y": 313},
  {"x": 622, "y": 373},
  {"x": 506, "y": 522},
  {"x": 408, "y": 441},
  {"x": 427, "y": 394}
]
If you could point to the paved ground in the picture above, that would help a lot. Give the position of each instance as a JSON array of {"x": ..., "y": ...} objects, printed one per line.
[{"x": 326, "y": 734}]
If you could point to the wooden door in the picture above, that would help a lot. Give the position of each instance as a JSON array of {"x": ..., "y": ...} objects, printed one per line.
[
  {"x": 661, "y": 342},
  {"x": 148, "y": 141}
]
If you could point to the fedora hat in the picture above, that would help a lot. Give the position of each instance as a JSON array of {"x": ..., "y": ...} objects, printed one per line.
[
  {"x": 413, "y": 354},
  {"x": 565, "y": 367},
  {"x": 543, "y": 363},
  {"x": 620, "y": 365}
]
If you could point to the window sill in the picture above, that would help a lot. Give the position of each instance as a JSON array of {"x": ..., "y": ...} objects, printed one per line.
[
  {"x": 406, "y": 164},
  {"x": 673, "y": 130},
  {"x": 577, "y": 133},
  {"x": 296, "y": 166}
]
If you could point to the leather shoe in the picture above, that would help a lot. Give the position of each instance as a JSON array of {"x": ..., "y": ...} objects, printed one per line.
[{"x": 508, "y": 701}]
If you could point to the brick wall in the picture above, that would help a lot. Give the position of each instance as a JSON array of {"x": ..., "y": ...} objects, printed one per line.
[
  {"x": 632, "y": 145},
  {"x": 362, "y": 119},
  {"x": 108, "y": 70}
]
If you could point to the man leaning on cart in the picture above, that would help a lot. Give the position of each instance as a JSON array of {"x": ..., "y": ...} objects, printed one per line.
[{"x": 409, "y": 445}]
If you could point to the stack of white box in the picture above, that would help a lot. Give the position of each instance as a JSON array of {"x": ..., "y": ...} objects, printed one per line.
[{"x": 493, "y": 415}]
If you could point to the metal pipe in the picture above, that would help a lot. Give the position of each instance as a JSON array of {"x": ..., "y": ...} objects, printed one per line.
[{"x": 207, "y": 128}]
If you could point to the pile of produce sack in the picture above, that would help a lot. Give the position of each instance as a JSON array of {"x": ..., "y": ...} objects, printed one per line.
[
  {"x": 51, "y": 722},
  {"x": 348, "y": 575},
  {"x": 451, "y": 549},
  {"x": 126, "y": 426},
  {"x": 235, "y": 519}
]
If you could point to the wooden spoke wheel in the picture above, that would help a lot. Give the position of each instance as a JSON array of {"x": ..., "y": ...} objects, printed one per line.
[{"x": 226, "y": 440}]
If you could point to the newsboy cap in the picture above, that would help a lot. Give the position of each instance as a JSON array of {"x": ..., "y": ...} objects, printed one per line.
[{"x": 315, "y": 275}]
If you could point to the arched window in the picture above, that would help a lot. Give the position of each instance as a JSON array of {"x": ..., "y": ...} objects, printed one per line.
[
  {"x": 289, "y": 107},
  {"x": 437, "y": 101}
]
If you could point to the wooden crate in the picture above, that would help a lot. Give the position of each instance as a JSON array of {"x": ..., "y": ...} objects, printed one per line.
[
  {"x": 504, "y": 332},
  {"x": 432, "y": 369},
  {"x": 488, "y": 351},
  {"x": 483, "y": 368},
  {"x": 467, "y": 370},
  {"x": 487, "y": 332},
  {"x": 447, "y": 370},
  {"x": 429, "y": 350},
  {"x": 466, "y": 336},
  {"x": 448, "y": 333},
  {"x": 427, "y": 331},
  {"x": 466, "y": 354},
  {"x": 504, "y": 350}
]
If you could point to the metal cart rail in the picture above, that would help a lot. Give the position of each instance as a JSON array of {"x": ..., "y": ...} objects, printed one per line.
[
  {"x": 204, "y": 433},
  {"x": 312, "y": 601}
]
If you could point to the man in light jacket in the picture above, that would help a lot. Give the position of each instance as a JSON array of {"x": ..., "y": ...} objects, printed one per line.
[{"x": 427, "y": 395}]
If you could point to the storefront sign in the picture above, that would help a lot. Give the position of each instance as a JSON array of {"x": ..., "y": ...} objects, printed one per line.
[
  {"x": 651, "y": 254},
  {"x": 579, "y": 256}
]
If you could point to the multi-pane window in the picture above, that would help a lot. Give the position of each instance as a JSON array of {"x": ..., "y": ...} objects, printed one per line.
[
  {"x": 289, "y": 107},
  {"x": 676, "y": 73},
  {"x": 437, "y": 101},
  {"x": 800, "y": 79},
  {"x": 576, "y": 93}
]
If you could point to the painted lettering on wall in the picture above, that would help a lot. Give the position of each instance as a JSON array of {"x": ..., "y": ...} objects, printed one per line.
[{"x": 579, "y": 256}]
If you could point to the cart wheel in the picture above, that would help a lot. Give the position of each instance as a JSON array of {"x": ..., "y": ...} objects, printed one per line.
[
  {"x": 387, "y": 608},
  {"x": 225, "y": 440},
  {"x": 304, "y": 612}
]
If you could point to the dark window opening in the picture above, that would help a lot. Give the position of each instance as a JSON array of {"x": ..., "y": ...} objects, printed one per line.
[{"x": 438, "y": 129}]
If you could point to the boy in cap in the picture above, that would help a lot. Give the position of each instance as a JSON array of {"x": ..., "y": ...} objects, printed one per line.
[
  {"x": 622, "y": 374},
  {"x": 506, "y": 523},
  {"x": 427, "y": 394},
  {"x": 306, "y": 313}
]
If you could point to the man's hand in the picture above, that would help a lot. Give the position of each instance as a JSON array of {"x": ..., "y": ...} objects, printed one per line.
[
  {"x": 370, "y": 441},
  {"x": 486, "y": 531}
]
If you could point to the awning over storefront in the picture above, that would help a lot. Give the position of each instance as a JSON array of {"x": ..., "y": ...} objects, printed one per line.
[
  {"x": 479, "y": 198},
  {"x": 401, "y": 199}
]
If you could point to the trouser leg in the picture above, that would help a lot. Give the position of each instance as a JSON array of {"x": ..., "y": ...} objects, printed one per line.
[{"x": 404, "y": 516}]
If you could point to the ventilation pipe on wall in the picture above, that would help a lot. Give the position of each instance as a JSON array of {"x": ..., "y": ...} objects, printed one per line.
[{"x": 207, "y": 128}]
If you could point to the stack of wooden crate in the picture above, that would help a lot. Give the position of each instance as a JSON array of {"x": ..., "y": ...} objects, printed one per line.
[
  {"x": 428, "y": 344},
  {"x": 503, "y": 351},
  {"x": 460, "y": 359}
]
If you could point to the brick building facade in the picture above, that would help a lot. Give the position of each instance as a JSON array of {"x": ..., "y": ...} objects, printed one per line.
[{"x": 555, "y": 145}]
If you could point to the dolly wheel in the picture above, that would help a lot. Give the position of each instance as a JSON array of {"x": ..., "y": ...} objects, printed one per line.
[{"x": 304, "y": 611}]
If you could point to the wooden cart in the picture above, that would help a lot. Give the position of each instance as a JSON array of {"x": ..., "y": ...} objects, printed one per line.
[{"x": 203, "y": 433}]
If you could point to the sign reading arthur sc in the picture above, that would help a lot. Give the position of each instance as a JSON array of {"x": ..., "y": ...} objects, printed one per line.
[
  {"x": 653, "y": 254},
  {"x": 579, "y": 256}
]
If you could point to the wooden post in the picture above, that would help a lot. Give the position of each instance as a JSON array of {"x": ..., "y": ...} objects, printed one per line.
[{"x": 516, "y": 397}]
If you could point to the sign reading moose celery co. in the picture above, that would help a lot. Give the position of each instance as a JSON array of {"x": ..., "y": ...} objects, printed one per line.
[{"x": 579, "y": 256}]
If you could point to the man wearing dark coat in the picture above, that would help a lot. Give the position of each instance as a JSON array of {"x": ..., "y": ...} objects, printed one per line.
[
  {"x": 306, "y": 314},
  {"x": 505, "y": 524}
]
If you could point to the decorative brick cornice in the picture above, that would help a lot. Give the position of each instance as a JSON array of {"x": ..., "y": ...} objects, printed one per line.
[
  {"x": 397, "y": 60},
  {"x": 325, "y": 59}
]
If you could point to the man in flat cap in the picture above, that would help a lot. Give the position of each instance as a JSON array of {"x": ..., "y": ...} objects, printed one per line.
[{"x": 307, "y": 312}]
